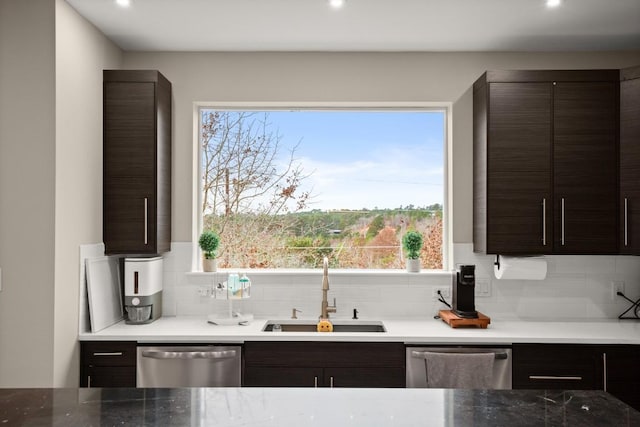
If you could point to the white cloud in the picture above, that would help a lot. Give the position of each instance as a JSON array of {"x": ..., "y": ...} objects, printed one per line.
[{"x": 383, "y": 183}]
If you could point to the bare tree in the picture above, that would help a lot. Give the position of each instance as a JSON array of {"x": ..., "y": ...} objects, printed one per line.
[{"x": 247, "y": 179}]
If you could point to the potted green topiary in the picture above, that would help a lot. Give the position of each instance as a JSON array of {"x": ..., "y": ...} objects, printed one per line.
[
  {"x": 412, "y": 242},
  {"x": 209, "y": 242}
]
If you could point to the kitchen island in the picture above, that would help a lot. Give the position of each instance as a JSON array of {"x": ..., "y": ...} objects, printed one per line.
[{"x": 307, "y": 407}]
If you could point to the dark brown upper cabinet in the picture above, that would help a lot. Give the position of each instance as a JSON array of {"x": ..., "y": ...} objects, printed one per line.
[
  {"x": 630, "y": 161},
  {"x": 137, "y": 162},
  {"x": 545, "y": 162}
]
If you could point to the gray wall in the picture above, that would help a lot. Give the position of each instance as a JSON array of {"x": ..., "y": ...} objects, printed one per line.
[
  {"x": 82, "y": 52},
  {"x": 27, "y": 171},
  {"x": 51, "y": 63},
  {"x": 342, "y": 77}
]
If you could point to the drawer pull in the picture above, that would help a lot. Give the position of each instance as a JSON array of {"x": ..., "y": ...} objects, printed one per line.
[
  {"x": 555, "y": 377},
  {"x": 114, "y": 353}
]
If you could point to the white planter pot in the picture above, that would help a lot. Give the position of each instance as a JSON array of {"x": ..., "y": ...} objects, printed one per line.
[
  {"x": 413, "y": 265},
  {"x": 209, "y": 265}
]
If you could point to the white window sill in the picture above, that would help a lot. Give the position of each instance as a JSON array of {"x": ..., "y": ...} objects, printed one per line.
[{"x": 318, "y": 271}]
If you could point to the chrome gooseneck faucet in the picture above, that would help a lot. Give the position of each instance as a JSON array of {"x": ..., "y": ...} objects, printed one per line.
[{"x": 326, "y": 308}]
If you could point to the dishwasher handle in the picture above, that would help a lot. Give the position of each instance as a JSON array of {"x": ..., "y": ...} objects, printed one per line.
[{"x": 213, "y": 354}]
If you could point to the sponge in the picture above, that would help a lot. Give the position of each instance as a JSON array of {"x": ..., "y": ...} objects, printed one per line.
[{"x": 324, "y": 325}]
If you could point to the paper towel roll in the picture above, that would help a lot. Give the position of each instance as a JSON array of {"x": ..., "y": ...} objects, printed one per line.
[{"x": 520, "y": 268}]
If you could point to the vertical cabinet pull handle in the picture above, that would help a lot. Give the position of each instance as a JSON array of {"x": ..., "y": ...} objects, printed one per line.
[
  {"x": 562, "y": 218},
  {"x": 626, "y": 222},
  {"x": 544, "y": 222},
  {"x": 604, "y": 371},
  {"x": 331, "y": 382},
  {"x": 315, "y": 382},
  {"x": 146, "y": 224},
  {"x": 88, "y": 381}
]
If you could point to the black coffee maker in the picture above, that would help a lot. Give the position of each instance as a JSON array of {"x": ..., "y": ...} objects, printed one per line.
[{"x": 464, "y": 287}]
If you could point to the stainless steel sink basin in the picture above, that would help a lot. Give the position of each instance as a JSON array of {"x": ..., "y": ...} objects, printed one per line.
[{"x": 311, "y": 326}]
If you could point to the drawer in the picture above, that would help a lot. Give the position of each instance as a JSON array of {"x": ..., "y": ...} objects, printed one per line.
[
  {"x": 108, "y": 353},
  {"x": 324, "y": 354},
  {"x": 554, "y": 366}
]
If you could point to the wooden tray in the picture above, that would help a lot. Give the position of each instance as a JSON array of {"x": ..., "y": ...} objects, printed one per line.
[{"x": 453, "y": 320}]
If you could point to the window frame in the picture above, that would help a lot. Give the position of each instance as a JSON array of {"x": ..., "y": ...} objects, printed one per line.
[{"x": 447, "y": 211}]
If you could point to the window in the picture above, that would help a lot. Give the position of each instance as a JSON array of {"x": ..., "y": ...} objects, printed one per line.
[{"x": 284, "y": 189}]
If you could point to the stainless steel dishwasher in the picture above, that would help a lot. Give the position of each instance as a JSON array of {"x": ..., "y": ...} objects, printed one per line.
[
  {"x": 417, "y": 368},
  {"x": 189, "y": 366}
]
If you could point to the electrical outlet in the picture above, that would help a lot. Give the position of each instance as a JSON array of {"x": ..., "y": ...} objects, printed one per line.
[
  {"x": 483, "y": 287},
  {"x": 446, "y": 293},
  {"x": 616, "y": 286}
]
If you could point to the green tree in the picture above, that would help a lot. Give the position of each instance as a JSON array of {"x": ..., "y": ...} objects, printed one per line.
[{"x": 376, "y": 225}]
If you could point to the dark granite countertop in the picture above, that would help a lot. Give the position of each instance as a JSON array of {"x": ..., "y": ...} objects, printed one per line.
[{"x": 309, "y": 407}]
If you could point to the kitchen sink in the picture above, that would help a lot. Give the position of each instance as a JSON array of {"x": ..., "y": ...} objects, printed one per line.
[{"x": 311, "y": 326}]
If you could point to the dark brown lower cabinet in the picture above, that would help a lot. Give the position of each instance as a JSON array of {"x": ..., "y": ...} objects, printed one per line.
[
  {"x": 613, "y": 368},
  {"x": 623, "y": 373},
  {"x": 319, "y": 364},
  {"x": 108, "y": 364}
]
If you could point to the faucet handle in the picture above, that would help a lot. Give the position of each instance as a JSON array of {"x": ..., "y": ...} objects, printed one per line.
[
  {"x": 331, "y": 308},
  {"x": 293, "y": 313}
]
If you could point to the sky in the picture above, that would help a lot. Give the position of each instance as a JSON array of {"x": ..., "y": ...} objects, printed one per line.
[
  {"x": 367, "y": 160},
  {"x": 357, "y": 160}
]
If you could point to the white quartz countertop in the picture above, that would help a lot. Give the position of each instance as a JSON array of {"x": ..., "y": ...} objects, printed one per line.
[{"x": 195, "y": 329}]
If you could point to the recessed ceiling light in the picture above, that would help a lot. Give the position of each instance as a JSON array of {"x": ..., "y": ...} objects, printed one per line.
[
  {"x": 553, "y": 3},
  {"x": 123, "y": 3},
  {"x": 336, "y": 4}
]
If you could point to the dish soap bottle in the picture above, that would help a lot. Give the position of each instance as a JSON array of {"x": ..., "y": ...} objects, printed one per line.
[{"x": 245, "y": 286}]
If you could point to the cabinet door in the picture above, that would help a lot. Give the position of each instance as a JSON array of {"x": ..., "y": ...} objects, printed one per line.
[
  {"x": 623, "y": 373},
  {"x": 108, "y": 376},
  {"x": 630, "y": 162},
  {"x": 365, "y": 377},
  {"x": 585, "y": 167},
  {"x": 278, "y": 376},
  {"x": 129, "y": 167},
  {"x": 519, "y": 152}
]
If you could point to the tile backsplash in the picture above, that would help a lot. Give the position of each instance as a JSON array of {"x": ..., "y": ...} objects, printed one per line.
[{"x": 576, "y": 287}]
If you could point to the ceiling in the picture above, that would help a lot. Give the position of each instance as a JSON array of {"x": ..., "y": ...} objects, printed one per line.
[{"x": 366, "y": 25}]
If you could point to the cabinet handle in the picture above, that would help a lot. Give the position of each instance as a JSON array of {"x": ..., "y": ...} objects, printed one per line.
[
  {"x": 114, "y": 353},
  {"x": 544, "y": 222},
  {"x": 626, "y": 223},
  {"x": 88, "y": 381},
  {"x": 562, "y": 215},
  {"x": 146, "y": 224},
  {"x": 331, "y": 382},
  {"x": 604, "y": 371},
  {"x": 315, "y": 382},
  {"x": 554, "y": 377}
]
